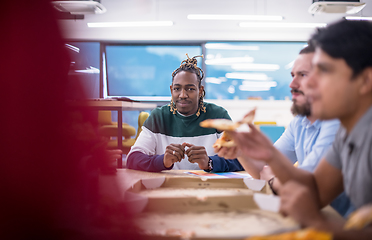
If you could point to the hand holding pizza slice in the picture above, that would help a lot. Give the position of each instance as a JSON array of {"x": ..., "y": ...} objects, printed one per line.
[{"x": 227, "y": 125}]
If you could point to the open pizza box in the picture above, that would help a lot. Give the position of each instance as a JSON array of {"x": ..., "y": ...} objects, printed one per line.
[
  {"x": 195, "y": 194},
  {"x": 196, "y": 208}
]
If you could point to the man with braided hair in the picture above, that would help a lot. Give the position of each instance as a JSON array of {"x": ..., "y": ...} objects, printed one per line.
[{"x": 171, "y": 137}]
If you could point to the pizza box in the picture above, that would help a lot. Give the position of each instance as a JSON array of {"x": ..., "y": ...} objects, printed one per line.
[
  {"x": 195, "y": 208},
  {"x": 193, "y": 194}
]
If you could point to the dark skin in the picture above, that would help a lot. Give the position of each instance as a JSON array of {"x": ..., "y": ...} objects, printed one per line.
[{"x": 186, "y": 93}]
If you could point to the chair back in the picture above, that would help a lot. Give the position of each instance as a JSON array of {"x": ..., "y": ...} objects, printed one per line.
[
  {"x": 141, "y": 119},
  {"x": 104, "y": 117}
]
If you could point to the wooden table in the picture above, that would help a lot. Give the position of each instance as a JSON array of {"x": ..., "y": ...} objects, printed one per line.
[{"x": 113, "y": 105}]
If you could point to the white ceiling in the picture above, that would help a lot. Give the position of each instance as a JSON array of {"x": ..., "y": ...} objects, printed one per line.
[{"x": 198, "y": 30}]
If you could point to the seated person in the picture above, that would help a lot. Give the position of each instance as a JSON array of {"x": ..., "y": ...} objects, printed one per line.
[
  {"x": 305, "y": 140},
  {"x": 339, "y": 86},
  {"x": 171, "y": 137}
]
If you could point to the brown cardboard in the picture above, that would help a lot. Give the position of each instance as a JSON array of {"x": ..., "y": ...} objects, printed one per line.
[
  {"x": 189, "y": 203},
  {"x": 214, "y": 225},
  {"x": 198, "y": 216}
]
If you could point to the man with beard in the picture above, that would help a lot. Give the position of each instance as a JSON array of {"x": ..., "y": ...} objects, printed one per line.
[
  {"x": 339, "y": 86},
  {"x": 305, "y": 140}
]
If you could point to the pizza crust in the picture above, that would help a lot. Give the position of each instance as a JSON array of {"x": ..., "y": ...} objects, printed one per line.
[
  {"x": 305, "y": 234},
  {"x": 224, "y": 141},
  {"x": 360, "y": 218},
  {"x": 227, "y": 125},
  {"x": 220, "y": 124}
]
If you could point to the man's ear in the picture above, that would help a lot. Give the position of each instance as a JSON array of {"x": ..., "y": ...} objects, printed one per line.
[
  {"x": 366, "y": 87},
  {"x": 201, "y": 90}
]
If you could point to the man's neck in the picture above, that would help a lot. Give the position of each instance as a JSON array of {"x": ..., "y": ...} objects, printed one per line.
[
  {"x": 353, "y": 118},
  {"x": 312, "y": 119}
]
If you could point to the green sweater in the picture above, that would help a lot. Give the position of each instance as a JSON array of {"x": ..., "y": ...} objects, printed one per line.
[{"x": 163, "y": 128}]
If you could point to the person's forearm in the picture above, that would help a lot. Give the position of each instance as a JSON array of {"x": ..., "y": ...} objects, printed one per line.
[
  {"x": 284, "y": 171},
  {"x": 225, "y": 165},
  {"x": 144, "y": 162},
  {"x": 251, "y": 166}
]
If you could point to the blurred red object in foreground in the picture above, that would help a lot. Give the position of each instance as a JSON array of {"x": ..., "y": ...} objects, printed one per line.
[{"x": 49, "y": 177}]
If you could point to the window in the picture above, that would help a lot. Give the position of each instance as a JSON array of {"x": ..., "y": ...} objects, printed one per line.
[
  {"x": 243, "y": 70},
  {"x": 83, "y": 77},
  {"x": 144, "y": 72}
]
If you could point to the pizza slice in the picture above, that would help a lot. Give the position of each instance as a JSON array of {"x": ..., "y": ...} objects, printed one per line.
[
  {"x": 360, "y": 218},
  {"x": 224, "y": 141},
  {"x": 227, "y": 125},
  {"x": 220, "y": 124},
  {"x": 305, "y": 234}
]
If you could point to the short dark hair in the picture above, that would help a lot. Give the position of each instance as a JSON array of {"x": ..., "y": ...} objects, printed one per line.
[
  {"x": 308, "y": 49},
  {"x": 349, "y": 40}
]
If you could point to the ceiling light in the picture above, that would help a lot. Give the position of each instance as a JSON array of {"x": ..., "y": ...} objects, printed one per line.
[
  {"x": 281, "y": 25},
  {"x": 130, "y": 24},
  {"x": 255, "y": 67},
  {"x": 227, "y": 46},
  {"x": 228, "y": 61},
  {"x": 358, "y": 18},
  {"x": 234, "y": 17}
]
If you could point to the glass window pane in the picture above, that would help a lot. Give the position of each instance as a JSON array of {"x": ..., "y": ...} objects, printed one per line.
[
  {"x": 83, "y": 76},
  {"x": 243, "y": 70},
  {"x": 144, "y": 70}
]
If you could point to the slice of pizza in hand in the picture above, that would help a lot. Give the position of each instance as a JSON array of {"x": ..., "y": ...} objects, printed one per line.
[
  {"x": 303, "y": 234},
  {"x": 249, "y": 117},
  {"x": 220, "y": 124},
  {"x": 359, "y": 219},
  {"x": 224, "y": 141},
  {"x": 227, "y": 125}
]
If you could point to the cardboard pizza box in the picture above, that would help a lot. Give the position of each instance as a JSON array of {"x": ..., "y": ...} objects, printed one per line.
[{"x": 164, "y": 194}]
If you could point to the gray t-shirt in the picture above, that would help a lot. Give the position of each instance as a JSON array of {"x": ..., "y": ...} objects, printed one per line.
[{"x": 353, "y": 155}]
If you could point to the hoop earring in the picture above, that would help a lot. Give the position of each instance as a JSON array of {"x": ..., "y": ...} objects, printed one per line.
[{"x": 173, "y": 107}]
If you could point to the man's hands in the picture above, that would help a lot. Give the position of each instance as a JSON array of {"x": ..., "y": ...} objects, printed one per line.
[
  {"x": 300, "y": 203},
  {"x": 176, "y": 152},
  {"x": 173, "y": 153},
  {"x": 228, "y": 152},
  {"x": 254, "y": 144},
  {"x": 197, "y": 154}
]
